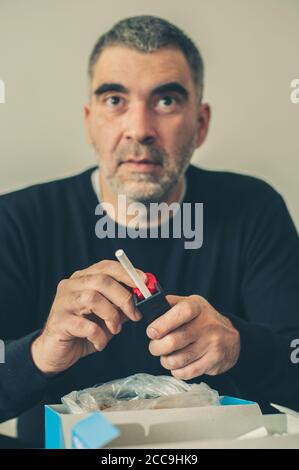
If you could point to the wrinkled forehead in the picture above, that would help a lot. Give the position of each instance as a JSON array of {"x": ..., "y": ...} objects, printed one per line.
[{"x": 142, "y": 71}]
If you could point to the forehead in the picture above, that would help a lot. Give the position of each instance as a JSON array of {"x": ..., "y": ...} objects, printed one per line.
[{"x": 145, "y": 70}]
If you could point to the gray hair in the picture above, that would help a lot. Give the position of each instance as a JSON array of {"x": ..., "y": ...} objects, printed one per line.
[{"x": 147, "y": 34}]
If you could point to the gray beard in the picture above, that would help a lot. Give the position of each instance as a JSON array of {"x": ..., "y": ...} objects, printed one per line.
[{"x": 154, "y": 190}]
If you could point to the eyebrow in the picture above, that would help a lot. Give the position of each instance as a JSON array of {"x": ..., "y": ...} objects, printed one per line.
[
  {"x": 164, "y": 88},
  {"x": 110, "y": 87},
  {"x": 171, "y": 87}
]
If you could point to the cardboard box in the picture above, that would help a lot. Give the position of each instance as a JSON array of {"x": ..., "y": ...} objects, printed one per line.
[{"x": 226, "y": 426}]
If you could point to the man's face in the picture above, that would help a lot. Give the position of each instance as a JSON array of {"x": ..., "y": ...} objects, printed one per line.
[{"x": 144, "y": 120}]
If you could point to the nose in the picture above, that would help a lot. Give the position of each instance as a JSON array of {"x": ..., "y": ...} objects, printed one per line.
[{"x": 139, "y": 125}]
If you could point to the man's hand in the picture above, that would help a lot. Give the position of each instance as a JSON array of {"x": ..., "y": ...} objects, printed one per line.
[
  {"x": 193, "y": 339},
  {"x": 88, "y": 310}
]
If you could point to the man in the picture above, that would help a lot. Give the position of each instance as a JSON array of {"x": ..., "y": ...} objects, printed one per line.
[{"x": 66, "y": 305}]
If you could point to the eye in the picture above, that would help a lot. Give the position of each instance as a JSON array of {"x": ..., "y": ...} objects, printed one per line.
[
  {"x": 167, "y": 101},
  {"x": 113, "y": 101}
]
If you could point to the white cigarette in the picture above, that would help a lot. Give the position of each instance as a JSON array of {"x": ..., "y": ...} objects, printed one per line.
[{"x": 127, "y": 265}]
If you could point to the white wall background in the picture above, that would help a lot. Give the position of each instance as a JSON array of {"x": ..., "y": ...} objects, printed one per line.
[{"x": 251, "y": 50}]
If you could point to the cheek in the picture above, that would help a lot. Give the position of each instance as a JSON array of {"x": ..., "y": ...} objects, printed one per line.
[
  {"x": 179, "y": 130},
  {"x": 104, "y": 133}
]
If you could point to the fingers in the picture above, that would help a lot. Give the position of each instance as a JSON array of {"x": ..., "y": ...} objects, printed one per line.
[
  {"x": 174, "y": 341},
  {"x": 111, "y": 268},
  {"x": 81, "y": 327},
  {"x": 185, "y": 356},
  {"x": 209, "y": 355},
  {"x": 110, "y": 289},
  {"x": 97, "y": 293},
  {"x": 105, "y": 278},
  {"x": 82, "y": 302},
  {"x": 182, "y": 312},
  {"x": 193, "y": 339},
  {"x": 205, "y": 365},
  {"x": 174, "y": 299}
]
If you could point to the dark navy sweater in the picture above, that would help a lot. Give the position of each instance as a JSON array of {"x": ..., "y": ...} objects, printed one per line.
[{"x": 247, "y": 268}]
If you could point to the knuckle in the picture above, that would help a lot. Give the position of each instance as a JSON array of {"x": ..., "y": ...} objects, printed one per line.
[
  {"x": 115, "y": 317},
  {"x": 219, "y": 354},
  {"x": 85, "y": 279},
  {"x": 214, "y": 335},
  {"x": 177, "y": 362},
  {"x": 187, "y": 309},
  {"x": 152, "y": 348},
  {"x": 75, "y": 274},
  {"x": 78, "y": 322},
  {"x": 105, "y": 280},
  {"x": 92, "y": 329},
  {"x": 185, "y": 334},
  {"x": 215, "y": 362},
  {"x": 62, "y": 284},
  {"x": 84, "y": 300},
  {"x": 70, "y": 323},
  {"x": 79, "y": 297},
  {"x": 199, "y": 299},
  {"x": 166, "y": 363},
  {"x": 215, "y": 369},
  {"x": 92, "y": 297},
  {"x": 171, "y": 342},
  {"x": 189, "y": 356},
  {"x": 173, "y": 363},
  {"x": 126, "y": 301},
  {"x": 214, "y": 338},
  {"x": 102, "y": 265}
]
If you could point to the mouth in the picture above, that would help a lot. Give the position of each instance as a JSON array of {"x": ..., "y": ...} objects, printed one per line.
[{"x": 141, "y": 165}]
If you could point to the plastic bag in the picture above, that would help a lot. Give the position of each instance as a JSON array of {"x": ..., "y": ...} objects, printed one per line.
[{"x": 139, "y": 392}]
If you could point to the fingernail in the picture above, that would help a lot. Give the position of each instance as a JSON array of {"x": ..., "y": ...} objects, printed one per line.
[
  {"x": 117, "y": 329},
  {"x": 152, "y": 333}
]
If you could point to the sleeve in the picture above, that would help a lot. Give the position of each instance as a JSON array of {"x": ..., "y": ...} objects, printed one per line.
[
  {"x": 266, "y": 370},
  {"x": 21, "y": 383}
]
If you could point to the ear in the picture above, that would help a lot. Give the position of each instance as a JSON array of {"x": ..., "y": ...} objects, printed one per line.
[
  {"x": 203, "y": 121},
  {"x": 87, "y": 113}
]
